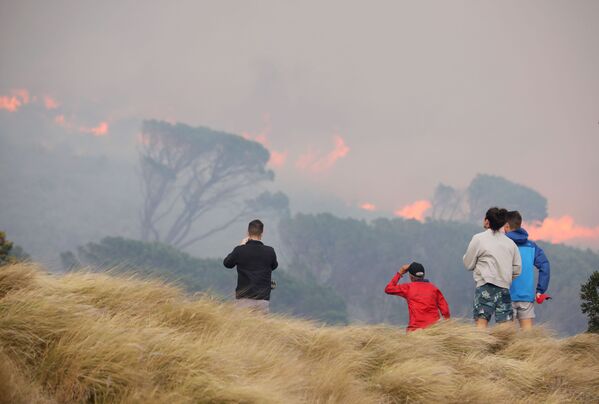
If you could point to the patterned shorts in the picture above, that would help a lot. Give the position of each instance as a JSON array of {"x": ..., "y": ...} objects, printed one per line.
[{"x": 490, "y": 299}]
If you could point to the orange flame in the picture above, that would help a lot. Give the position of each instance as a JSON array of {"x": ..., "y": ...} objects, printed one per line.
[
  {"x": 22, "y": 94},
  {"x": 100, "y": 130},
  {"x": 558, "y": 230},
  {"x": 368, "y": 206},
  {"x": 50, "y": 103},
  {"x": 277, "y": 158},
  {"x": 311, "y": 161},
  {"x": 414, "y": 210},
  {"x": 13, "y": 102},
  {"x": 60, "y": 120}
]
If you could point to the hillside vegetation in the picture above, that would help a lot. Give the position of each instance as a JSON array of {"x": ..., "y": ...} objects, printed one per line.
[
  {"x": 90, "y": 337},
  {"x": 299, "y": 297},
  {"x": 359, "y": 258}
]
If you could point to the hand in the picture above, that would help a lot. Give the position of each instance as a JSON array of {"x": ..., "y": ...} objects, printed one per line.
[
  {"x": 244, "y": 241},
  {"x": 404, "y": 269}
]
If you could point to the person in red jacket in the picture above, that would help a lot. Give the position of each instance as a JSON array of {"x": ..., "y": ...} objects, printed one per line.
[{"x": 425, "y": 300}]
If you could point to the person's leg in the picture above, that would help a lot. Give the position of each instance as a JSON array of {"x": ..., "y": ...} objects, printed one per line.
[
  {"x": 504, "y": 310},
  {"x": 525, "y": 323},
  {"x": 526, "y": 315},
  {"x": 262, "y": 306},
  {"x": 483, "y": 307}
]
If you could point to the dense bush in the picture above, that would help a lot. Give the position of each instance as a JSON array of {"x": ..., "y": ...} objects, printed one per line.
[{"x": 589, "y": 293}]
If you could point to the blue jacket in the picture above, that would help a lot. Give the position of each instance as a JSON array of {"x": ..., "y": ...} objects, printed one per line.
[{"x": 523, "y": 287}]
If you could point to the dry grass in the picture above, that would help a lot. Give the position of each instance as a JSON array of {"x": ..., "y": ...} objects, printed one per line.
[{"x": 97, "y": 338}]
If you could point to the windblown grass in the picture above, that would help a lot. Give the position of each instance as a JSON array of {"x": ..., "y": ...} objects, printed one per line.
[{"x": 89, "y": 337}]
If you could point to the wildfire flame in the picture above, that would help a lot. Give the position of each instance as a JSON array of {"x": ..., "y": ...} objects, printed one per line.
[
  {"x": 414, "y": 210},
  {"x": 558, "y": 230},
  {"x": 277, "y": 158},
  {"x": 50, "y": 103},
  {"x": 368, "y": 206},
  {"x": 315, "y": 163},
  {"x": 100, "y": 130},
  {"x": 60, "y": 120},
  {"x": 13, "y": 102}
]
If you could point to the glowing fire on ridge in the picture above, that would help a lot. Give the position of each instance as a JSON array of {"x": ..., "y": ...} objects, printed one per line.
[
  {"x": 13, "y": 102},
  {"x": 370, "y": 207},
  {"x": 50, "y": 103},
  {"x": 414, "y": 210},
  {"x": 277, "y": 158},
  {"x": 558, "y": 230},
  {"x": 316, "y": 163},
  {"x": 100, "y": 130}
]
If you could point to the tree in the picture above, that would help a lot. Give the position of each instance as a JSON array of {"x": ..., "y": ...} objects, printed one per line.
[
  {"x": 486, "y": 191},
  {"x": 589, "y": 294},
  {"x": 188, "y": 172},
  {"x": 448, "y": 203},
  {"x": 10, "y": 253},
  {"x": 5, "y": 247}
]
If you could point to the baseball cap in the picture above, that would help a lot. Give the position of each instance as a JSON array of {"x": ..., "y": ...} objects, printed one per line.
[{"x": 416, "y": 269}]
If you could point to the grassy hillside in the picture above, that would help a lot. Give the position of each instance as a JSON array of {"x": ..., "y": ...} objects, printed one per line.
[
  {"x": 89, "y": 337},
  {"x": 299, "y": 297}
]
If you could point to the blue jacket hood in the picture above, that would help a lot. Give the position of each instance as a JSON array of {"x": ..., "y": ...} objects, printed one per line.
[{"x": 519, "y": 236}]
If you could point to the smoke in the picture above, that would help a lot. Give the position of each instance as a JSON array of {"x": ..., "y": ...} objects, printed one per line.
[
  {"x": 558, "y": 230},
  {"x": 316, "y": 162},
  {"x": 415, "y": 210},
  {"x": 21, "y": 97},
  {"x": 15, "y": 100}
]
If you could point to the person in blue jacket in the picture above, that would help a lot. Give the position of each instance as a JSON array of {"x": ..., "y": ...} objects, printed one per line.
[{"x": 523, "y": 290}]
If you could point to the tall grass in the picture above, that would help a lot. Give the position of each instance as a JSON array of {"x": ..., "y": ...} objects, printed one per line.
[{"x": 89, "y": 337}]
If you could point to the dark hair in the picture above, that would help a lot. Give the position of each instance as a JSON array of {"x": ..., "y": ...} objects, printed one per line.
[
  {"x": 255, "y": 228},
  {"x": 514, "y": 219},
  {"x": 496, "y": 217}
]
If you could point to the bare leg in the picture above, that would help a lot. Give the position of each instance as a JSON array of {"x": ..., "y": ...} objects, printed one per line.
[
  {"x": 526, "y": 324},
  {"x": 481, "y": 323}
]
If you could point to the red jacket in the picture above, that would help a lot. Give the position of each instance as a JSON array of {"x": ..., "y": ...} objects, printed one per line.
[{"x": 425, "y": 301}]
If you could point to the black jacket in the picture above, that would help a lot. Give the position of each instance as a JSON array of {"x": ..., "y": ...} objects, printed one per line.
[{"x": 255, "y": 263}]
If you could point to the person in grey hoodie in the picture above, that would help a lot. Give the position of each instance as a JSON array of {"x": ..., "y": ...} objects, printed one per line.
[{"x": 495, "y": 261}]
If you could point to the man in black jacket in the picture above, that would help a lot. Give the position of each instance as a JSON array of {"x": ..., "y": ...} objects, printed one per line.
[{"x": 255, "y": 263}]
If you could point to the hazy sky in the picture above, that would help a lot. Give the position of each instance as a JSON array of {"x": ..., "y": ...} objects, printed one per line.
[{"x": 375, "y": 102}]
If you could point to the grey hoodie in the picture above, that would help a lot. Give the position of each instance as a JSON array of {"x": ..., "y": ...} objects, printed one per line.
[{"x": 494, "y": 258}]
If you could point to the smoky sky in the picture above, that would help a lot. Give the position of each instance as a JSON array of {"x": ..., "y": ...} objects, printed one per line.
[{"x": 420, "y": 92}]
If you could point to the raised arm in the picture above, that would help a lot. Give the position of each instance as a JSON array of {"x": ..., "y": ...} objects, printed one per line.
[
  {"x": 542, "y": 264},
  {"x": 393, "y": 288}
]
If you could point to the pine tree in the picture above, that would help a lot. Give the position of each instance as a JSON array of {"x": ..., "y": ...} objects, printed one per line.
[
  {"x": 589, "y": 293},
  {"x": 5, "y": 247}
]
